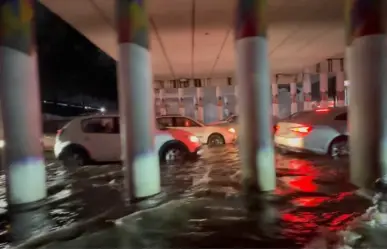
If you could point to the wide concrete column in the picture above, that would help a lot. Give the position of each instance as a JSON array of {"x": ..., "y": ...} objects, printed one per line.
[
  {"x": 323, "y": 90},
  {"x": 293, "y": 97},
  {"x": 366, "y": 61},
  {"x": 141, "y": 161},
  {"x": 340, "y": 89},
  {"x": 252, "y": 74},
  {"x": 199, "y": 103},
  {"x": 220, "y": 102},
  {"x": 163, "y": 109},
  {"x": 180, "y": 93},
  {"x": 20, "y": 105},
  {"x": 274, "y": 97},
  {"x": 307, "y": 89},
  {"x": 236, "y": 92}
]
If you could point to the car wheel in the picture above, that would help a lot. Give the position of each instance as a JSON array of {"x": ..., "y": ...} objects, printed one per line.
[
  {"x": 174, "y": 153},
  {"x": 339, "y": 147},
  {"x": 75, "y": 158},
  {"x": 216, "y": 139}
]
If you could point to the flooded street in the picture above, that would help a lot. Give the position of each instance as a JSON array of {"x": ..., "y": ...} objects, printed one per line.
[{"x": 311, "y": 192}]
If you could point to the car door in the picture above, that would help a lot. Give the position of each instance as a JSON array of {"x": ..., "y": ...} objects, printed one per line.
[
  {"x": 190, "y": 125},
  {"x": 101, "y": 138}
]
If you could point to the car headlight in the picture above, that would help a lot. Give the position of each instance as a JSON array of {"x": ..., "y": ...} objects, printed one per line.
[
  {"x": 194, "y": 139},
  {"x": 232, "y": 130},
  {"x": 2, "y": 144}
]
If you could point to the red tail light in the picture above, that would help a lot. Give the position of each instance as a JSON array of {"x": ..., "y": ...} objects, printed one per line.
[
  {"x": 302, "y": 129},
  {"x": 323, "y": 110},
  {"x": 275, "y": 128}
]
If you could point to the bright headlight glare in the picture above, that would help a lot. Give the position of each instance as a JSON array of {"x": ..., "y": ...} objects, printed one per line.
[
  {"x": 194, "y": 139},
  {"x": 232, "y": 130},
  {"x": 2, "y": 144}
]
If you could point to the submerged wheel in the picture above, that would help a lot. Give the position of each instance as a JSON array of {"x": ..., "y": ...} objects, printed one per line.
[
  {"x": 75, "y": 157},
  {"x": 339, "y": 147},
  {"x": 173, "y": 153},
  {"x": 216, "y": 139}
]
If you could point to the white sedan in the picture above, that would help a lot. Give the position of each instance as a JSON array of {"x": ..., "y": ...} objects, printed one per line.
[{"x": 208, "y": 134}]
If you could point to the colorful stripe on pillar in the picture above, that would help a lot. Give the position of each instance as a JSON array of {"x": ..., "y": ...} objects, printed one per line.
[
  {"x": 307, "y": 97},
  {"x": 220, "y": 101},
  {"x": 340, "y": 95},
  {"x": 324, "y": 96},
  {"x": 132, "y": 23},
  {"x": 251, "y": 20},
  {"x": 293, "y": 98},
  {"x": 363, "y": 18},
  {"x": 275, "y": 99},
  {"x": 17, "y": 25}
]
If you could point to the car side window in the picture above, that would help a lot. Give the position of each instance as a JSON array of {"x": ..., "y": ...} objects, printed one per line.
[
  {"x": 99, "y": 125},
  {"x": 165, "y": 121},
  {"x": 341, "y": 117},
  {"x": 185, "y": 122}
]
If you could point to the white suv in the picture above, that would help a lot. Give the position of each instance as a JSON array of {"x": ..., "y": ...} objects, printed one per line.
[
  {"x": 97, "y": 139},
  {"x": 208, "y": 134}
]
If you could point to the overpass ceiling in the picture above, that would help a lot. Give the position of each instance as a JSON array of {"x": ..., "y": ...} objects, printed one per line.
[{"x": 194, "y": 38}]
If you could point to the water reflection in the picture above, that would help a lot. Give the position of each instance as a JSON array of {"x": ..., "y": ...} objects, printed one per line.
[
  {"x": 24, "y": 225},
  {"x": 311, "y": 192}
]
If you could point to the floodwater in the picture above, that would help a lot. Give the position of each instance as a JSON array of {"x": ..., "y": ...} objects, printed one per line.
[{"x": 205, "y": 207}]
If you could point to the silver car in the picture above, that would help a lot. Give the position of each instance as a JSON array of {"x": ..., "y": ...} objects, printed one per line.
[{"x": 321, "y": 131}]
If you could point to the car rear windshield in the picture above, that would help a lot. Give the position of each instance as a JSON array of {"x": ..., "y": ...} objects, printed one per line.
[{"x": 298, "y": 115}]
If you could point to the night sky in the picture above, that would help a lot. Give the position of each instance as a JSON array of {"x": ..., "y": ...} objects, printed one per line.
[{"x": 69, "y": 64}]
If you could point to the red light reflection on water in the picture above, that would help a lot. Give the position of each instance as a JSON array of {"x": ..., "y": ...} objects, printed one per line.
[
  {"x": 309, "y": 201},
  {"x": 303, "y": 183}
]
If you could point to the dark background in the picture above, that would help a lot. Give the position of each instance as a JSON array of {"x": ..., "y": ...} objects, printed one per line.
[{"x": 69, "y": 64}]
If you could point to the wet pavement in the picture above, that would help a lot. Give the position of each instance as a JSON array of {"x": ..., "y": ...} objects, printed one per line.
[{"x": 206, "y": 208}]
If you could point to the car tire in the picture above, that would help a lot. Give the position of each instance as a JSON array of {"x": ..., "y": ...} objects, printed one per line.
[
  {"x": 339, "y": 147},
  {"x": 75, "y": 157},
  {"x": 173, "y": 153},
  {"x": 215, "y": 139}
]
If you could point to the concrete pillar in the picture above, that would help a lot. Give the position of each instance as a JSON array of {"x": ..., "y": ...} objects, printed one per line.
[
  {"x": 252, "y": 74},
  {"x": 293, "y": 97},
  {"x": 180, "y": 93},
  {"x": 220, "y": 103},
  {"x": 323, "y": 90},
  {"x": 163, "y": 109},
  {"x": 307, "y": 89},
  {"x": 20, "y": 106},
  {"x": 141, "y": 161},
  {"x": 236, "y": 92},
  {"x": 274, "y": 93},
  {"x": 199, "y": 96},
  {"x": 340, "y": 89},
  {"x": 366, "y": 65}
]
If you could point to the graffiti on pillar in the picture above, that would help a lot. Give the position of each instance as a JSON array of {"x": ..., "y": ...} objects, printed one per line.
[
  {"x": 307, "y": 97},
  {"x": 340, "y": 95},
  {"x": 220, "y": 102},
  {"x": 324, "y": 96},
  {"x": 363, "y": 18},
  {"x": 17, "y": 25},
  {"x": 275, "y": 99},
  {"x": 132, "y": 23},
  {"x": 251, "y": 19}
]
